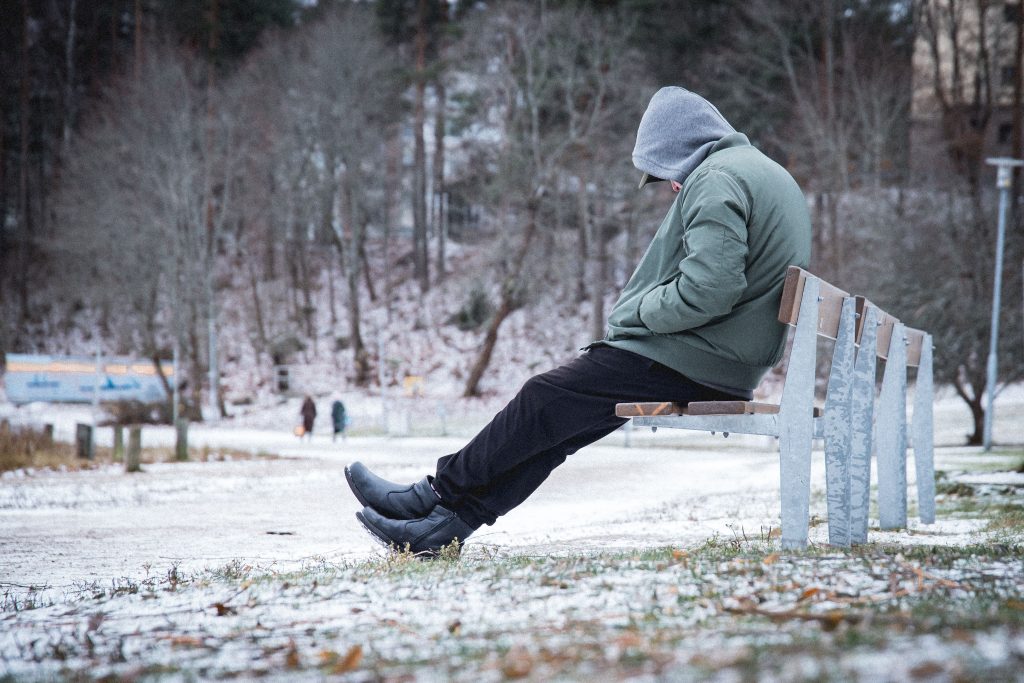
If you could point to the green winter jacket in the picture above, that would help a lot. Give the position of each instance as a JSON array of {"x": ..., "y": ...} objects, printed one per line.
[{"x": 704, "y": 299}]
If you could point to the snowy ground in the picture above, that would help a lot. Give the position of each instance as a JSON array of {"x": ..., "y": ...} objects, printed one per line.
[{"x": 258, "y": 566}]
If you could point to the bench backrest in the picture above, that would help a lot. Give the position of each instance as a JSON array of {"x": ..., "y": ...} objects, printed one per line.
[
  {"x": 887, "y": 322},
  {"x": 830, "y": 308}
]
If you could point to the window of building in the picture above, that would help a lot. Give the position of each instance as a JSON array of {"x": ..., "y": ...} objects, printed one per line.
[
  {"x": 1011, "y": 12},
  {"x": 1008, "y": 75},
  {"x": 1005, "y": 134}
]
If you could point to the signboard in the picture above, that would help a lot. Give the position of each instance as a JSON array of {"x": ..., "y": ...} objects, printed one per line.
[{"x": 73, "y": 379}]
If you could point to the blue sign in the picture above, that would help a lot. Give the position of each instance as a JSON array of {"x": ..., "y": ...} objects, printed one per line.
[{"x": 76, "y": 379}]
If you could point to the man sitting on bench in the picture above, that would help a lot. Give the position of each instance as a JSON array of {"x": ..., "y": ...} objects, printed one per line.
[{"x": 697, "y": 321}]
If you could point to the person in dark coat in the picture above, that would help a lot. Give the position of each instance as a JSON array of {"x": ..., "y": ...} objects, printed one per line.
[
  {"x": 308, "y": 413},
  {"x": 339, "y": 419}
]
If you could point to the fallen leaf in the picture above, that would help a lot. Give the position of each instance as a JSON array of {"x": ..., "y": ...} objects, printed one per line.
[
  {"x": 517, "y": 663},
  {"x": 291, "y": 659},
  {"x": 770, "y": 559},
  {"x": 186, "y": 641},
  {"x": 628, "y": 640},
  {"x": 223, "y": 610},
  {"x": 927, "y": 670},
  {"x": 809, "y": 593},
  {"x": 350, "y": 661},
  {"x": 455, "y": 627}
]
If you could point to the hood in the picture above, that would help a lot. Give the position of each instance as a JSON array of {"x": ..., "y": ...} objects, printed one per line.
[{"x": 676, "y": 134}]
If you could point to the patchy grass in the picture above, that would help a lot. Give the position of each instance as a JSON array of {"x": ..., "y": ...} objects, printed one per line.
[
  {"x": 730, "y": 608},
  {"x": 30, "y": 448}
]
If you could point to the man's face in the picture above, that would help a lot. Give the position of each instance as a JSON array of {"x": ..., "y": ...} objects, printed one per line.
[{"x": 675, "y": 186}]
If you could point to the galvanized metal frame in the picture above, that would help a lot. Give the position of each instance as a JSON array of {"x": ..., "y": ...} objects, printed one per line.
[
  {"x": 891, "y": 435},
  {"x": 922, "y": 428},
  {"x": 838, "y": 427},
  {"x": 861, "y": 427},
  {"x": 796, "y": 423}
]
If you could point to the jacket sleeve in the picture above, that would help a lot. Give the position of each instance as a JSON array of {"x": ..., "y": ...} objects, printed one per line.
[{"x": 712, "y": 275}]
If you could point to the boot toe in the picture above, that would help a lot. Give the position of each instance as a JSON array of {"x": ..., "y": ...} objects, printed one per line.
[{"x": 393, "y": 501}]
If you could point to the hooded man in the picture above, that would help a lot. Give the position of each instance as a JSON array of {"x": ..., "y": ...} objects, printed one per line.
[{"x": 697, "y": 321}]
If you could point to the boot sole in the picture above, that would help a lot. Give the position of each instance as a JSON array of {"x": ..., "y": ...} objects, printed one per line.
[
  {"x": 375, "y": 533},
  {"x": 383, "y": 539}
]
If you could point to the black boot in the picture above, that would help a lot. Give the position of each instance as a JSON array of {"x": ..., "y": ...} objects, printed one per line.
[
  {"x": 425, "y": 536},
  {"x": 395, "y": 501}
]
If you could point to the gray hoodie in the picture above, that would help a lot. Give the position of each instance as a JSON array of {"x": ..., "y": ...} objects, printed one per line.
[{"x": 676, "y": 134}]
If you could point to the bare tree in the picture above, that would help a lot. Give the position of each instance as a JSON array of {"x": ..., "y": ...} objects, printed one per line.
[
  {"x": 342, "y": 99},
  {"x": 557, "y": 86},
  {"x": 827, "y": 84},
  {"x": 159, "y": 164}
]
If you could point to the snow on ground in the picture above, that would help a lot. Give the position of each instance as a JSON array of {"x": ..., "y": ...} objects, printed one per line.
[
  {"x": 671, "y": 487},
  {"x": 123, "y": 540}
]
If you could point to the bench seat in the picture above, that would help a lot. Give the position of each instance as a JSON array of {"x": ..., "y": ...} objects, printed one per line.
[{"x": 700, "y": 408}]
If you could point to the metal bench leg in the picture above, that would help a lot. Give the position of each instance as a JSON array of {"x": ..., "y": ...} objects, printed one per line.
[
  {"x": 891, "y": 435},
  {"x": 796, "y": 423},
  {"x": 861, "y": 427},
  {"x": 837, "y": 428},
  {"x": 924, "y": 435}
]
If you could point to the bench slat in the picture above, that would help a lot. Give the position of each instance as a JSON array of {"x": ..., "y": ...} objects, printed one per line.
[
  {"x": 699, "y": 408},
  {"x": 649, "y": 409},
  {"x": 829, "y": 308},
  {"x": 885, "y": 328},
  {"x": 730, "y": 408},
  {"x": 915, "y": 342}
]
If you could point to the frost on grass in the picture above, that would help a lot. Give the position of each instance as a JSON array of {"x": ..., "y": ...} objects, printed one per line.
[{"x": 716, "y": 610}]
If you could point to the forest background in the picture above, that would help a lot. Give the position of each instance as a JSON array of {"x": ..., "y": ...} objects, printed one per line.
[{"x": 420, "y": 188}]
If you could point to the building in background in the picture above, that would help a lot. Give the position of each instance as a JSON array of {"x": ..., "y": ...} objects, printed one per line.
[{"x": 966, "y": 86}]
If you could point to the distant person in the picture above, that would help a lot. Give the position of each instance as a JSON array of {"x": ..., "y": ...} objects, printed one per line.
[
  {"x": 339, "y": 419},
  {"x": 308, "y": 413},
  {"x": 697, "y": 321}
]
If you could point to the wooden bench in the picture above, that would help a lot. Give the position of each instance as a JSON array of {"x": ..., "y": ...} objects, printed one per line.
[{"x": 847, "y": 422}]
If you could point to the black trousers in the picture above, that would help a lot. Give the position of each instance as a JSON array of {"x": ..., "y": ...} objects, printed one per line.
[{"x": 554, "y": 415}]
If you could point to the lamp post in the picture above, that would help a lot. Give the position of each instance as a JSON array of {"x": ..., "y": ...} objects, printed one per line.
[{"x": 1004, "y": 181}]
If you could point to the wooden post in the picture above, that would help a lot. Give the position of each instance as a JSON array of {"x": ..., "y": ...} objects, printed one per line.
[
  {"x": 118, "y": 454},
  {"x": 181, "y": 442},
  {"x": 83, "y": 441},
  {"x": 131, "y": 461}
]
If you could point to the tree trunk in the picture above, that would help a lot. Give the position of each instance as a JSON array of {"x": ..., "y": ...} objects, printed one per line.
[
  {"x": 441, "y": 96},
  {"x": 69, "y": 84},
  {"x": 24, "y": 201},
  {"x": 583, "y": 244},
  {"x": 260, "y": 342},
  {"x": 1018, "y": 108},
  {"x": 4, "y": 254},
  {"x": 364, "y": 266},
  {"x": 196, "y": 367},
  {"x": 973, "y": 399},
  {"x": 439, "y": 213},
  {"x": 350, "y": 248},
  {"x": 393, "y": 178},
  {"x": 419, "y": 184},
  {"x": 600, "y": 283},
  {"x": 508, "y": 304},
  {"x": 137, "y": 40}
]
